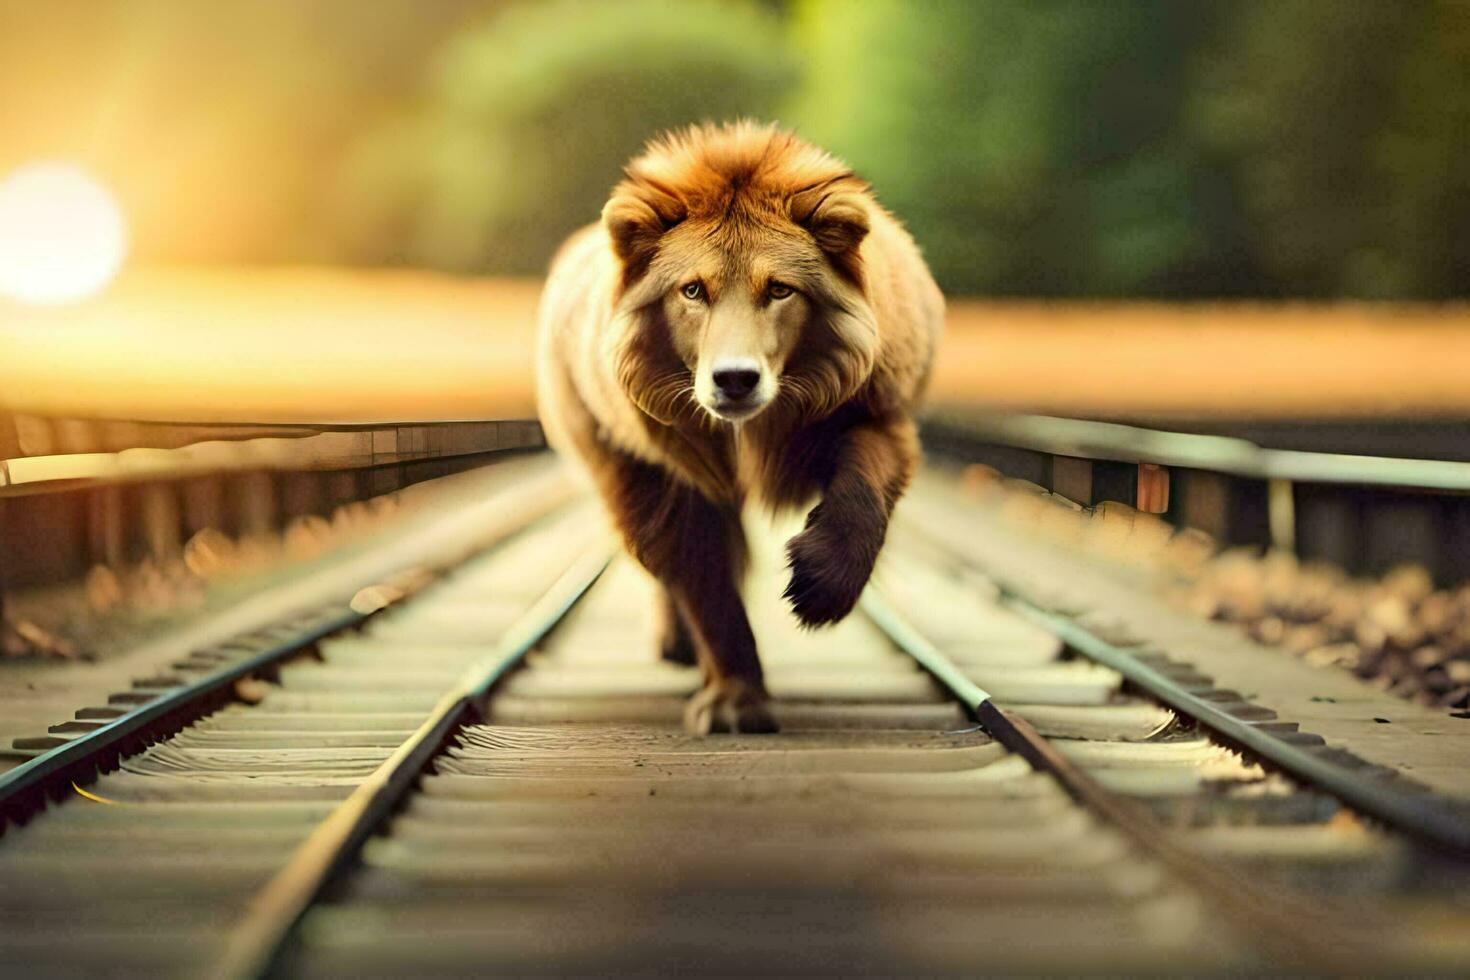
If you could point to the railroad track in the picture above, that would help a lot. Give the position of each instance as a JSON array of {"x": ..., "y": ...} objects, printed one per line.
[{"x": 479, "y": 769}]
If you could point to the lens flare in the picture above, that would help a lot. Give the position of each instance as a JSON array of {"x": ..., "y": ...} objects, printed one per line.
[{"x": 62, "y": 235}]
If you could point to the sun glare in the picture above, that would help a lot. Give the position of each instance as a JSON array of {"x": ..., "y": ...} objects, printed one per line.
[{"x": 62, "y": 235}]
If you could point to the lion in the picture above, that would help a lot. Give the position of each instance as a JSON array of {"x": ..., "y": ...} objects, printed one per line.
[{"x": 745, "y": 322}]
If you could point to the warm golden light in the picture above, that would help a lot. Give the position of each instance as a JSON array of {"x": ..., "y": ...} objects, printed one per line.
[{"x": 62, "y": 235}]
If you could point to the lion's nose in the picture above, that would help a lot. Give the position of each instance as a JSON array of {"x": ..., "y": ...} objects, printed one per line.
[{"x": 736, "y": 383}]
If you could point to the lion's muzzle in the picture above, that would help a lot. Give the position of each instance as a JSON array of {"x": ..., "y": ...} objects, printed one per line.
[{"x": 737, "y": 389}]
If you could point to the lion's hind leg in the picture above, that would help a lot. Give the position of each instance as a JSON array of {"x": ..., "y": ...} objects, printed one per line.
[
  {"x": 696, "y": 549},
  {"x": 675, "y": 642}
]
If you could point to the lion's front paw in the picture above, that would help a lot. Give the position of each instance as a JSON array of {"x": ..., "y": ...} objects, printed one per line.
[
  {"x": 729, "y": 706},
  {"x": 828, "y": 574}
]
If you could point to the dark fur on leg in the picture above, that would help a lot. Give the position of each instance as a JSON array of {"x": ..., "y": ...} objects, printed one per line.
[
  {"x": 675, "y": 645},
  {"x": 695, "y": 547},
  {"x": 833, "y": 557}
]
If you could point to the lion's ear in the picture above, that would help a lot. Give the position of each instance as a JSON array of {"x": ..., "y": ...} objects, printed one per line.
[
  {"x": 635, "y": 221},
  {"x": 837, "y": 220},
  {"x": 633, "y": 226}
]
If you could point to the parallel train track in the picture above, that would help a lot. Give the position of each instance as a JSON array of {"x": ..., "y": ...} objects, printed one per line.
[{"x": 486, "y": 775}]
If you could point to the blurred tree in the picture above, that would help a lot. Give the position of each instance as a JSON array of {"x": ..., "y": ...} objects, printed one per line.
[
  {"x": 1423, "y": 156},
  {"x": 1035, "y": 147},
  {"x": 1031, "y": 145},
  {"x": 529, "y": 118},
  {"x": 1345, "y": 127}
]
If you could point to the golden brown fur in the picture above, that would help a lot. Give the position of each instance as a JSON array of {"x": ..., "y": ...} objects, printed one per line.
[{"x": 745, "y": 321}]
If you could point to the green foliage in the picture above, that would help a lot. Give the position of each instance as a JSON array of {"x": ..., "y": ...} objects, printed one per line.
[
  {"x": 1158, "y": 147},
  {"x": 1029, "y": 144},
  {"x": 1035, "y": 147},
  {"x": 529, "y": 118},
  {"x": 1344, "y": 126}
]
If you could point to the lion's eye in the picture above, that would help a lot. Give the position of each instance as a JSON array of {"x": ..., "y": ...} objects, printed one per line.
[
  {"x": 693, "y": 291},
  {"x": 779, "y": 290}
]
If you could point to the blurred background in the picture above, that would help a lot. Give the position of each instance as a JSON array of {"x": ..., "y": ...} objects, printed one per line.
[
  {"x": 1036, "y": 148},
  {"x": 286, "y": 210}
]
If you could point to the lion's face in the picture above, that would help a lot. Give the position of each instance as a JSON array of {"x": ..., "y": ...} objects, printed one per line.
[
  {"x": 741, "y": 281},
  {"x": 735, "y": 324}
]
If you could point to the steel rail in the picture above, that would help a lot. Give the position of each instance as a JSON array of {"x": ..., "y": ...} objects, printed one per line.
[
  {"x": 258, "y": 945},
  {"x": 24, "y": 789},
  {"x": 1296, "y": 933},
  {"x": 1424, "y": 818},
  {"x": 143, "y": 451},
  {"x": 1113, "y": 441}
]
